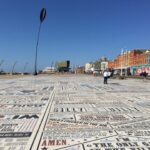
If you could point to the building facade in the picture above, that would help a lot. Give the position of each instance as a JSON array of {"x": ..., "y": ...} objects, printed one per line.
[
  {"x": 89, "y": 67},
  {"x": 80, "y": 70},
  {"x": 104, "y": 65},
  {"x": 131, "y": 61}
]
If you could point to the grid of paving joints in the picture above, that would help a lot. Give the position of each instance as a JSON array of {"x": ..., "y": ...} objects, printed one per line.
[
  {"x": 23, "y": 104},
  {"x": 74, "y": 113},
  {"x": 87, "y": 115}
]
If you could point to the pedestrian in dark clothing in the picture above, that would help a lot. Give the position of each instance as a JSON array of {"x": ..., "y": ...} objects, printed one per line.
[{"x": 144, "y": 75}]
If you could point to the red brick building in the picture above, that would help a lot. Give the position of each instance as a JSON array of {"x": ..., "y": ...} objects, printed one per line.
[{"x": 136, "y": 57}]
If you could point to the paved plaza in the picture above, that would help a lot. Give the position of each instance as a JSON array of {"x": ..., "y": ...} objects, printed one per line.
[{"x": 74, "y": 112}]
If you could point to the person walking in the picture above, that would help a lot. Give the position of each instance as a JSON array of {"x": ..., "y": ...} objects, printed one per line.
[
  {"x": 105, "y": 75},
  {"x": 144, "y": 75}
]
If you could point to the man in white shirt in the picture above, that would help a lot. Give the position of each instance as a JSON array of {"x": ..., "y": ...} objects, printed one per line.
[{"x": 105, "y": 74}]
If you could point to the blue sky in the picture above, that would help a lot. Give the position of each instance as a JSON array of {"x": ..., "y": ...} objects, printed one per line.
[{"x": 75, "y": 30}]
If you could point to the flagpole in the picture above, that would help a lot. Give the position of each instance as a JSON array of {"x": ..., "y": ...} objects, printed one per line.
[{"x": 121, "y": 60}]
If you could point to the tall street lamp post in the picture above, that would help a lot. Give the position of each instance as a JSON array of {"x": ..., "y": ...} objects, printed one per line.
[
  {"x": 42, "y": 17},
  {"x": 25, "y": 66},
  {"x": 14, "y": 66},
  {"x": 126, "y": 62},
  {"x": 2, "y": 61},
  {"x": 121, "y": 61}
]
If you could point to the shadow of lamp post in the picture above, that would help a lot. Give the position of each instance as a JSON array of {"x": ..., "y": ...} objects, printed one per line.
[{"x": 42, "y": 17}]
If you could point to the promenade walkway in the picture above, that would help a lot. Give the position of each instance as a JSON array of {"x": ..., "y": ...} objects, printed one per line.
[{"x": 74, "y": 112}]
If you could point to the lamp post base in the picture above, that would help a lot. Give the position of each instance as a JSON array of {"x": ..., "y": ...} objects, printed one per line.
[{"x": 35, "y": 74}]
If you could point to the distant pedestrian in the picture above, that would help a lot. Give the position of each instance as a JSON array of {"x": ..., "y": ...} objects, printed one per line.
[
  {"x": 105, "y": 75},
  {"x": 144, "y": 74}
]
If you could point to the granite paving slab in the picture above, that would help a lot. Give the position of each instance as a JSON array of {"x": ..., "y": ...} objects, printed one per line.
[{"x": 74, "y": 112}]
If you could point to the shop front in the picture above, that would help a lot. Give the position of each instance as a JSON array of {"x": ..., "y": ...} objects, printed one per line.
[{"x": 137, "y": 70}]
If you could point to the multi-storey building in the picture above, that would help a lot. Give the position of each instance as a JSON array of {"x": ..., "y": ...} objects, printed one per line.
[
  {"x": 101, "y": 64},
  {"x": 133, "y": 62},
  {"x": 89, "y": 67},
  {"x": 80, "y": 70}
]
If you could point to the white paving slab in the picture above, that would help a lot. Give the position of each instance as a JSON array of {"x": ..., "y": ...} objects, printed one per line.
[{"x": 74, "y": 113}]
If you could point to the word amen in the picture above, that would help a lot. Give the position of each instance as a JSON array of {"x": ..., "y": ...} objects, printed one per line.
[{"x": 53, "y": 142}]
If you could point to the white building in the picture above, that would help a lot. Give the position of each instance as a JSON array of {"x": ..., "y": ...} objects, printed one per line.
[
  {"x": 49, "y": 70},
  {"x": 104, "y": 65},
  {"x": 89, "y": 67}
]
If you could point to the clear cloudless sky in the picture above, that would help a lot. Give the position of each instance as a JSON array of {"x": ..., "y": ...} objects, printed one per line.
[{"x": 77, "y": 30}]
